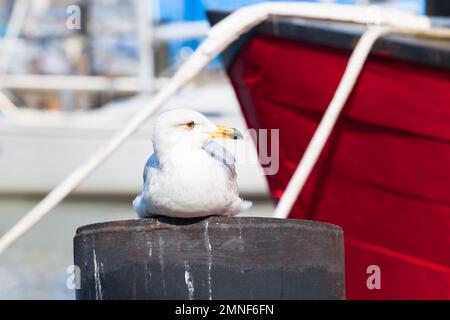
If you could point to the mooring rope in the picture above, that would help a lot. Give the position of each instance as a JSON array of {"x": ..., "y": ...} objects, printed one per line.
[{"x": 328, "y": 121}]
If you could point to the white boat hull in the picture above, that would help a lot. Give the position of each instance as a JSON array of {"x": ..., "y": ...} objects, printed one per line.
[{"x": 39, "y": 152}]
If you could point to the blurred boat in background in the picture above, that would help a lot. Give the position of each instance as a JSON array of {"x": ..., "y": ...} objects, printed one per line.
[{"x": 40, "y": 148}]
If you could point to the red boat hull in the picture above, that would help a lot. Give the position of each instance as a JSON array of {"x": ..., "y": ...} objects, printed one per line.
[{"x": 384, "y": 176}]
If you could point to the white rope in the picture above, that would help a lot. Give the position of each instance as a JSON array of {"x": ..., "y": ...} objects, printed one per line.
[
  {"x": 219, "y": 37},
  {"x": 326, "y": 125}
]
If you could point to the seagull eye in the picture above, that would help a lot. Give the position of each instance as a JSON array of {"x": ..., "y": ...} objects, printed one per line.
[{"x": 190, "y": 124}]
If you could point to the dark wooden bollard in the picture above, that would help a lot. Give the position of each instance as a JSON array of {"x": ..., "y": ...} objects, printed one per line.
[{"x": 212, "y": 258}]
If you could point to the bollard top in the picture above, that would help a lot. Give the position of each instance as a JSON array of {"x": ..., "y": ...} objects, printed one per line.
[{"x": 213, "y": 222}]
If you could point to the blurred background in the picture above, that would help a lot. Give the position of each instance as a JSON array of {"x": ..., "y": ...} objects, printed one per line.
[{"x": 71, "y": 73}]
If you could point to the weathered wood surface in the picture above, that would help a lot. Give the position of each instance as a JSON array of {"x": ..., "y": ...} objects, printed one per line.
[{"x": 210, "y": 258}]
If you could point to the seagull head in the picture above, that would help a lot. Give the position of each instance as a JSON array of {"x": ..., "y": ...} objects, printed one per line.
[{"x": 187, "y": 128}]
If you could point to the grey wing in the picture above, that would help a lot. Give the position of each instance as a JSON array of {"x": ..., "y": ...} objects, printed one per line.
[
  {"x": 222, "y": 155},
  {"x": 152, "y": 162},
  {"x": 141, "y": 203}
]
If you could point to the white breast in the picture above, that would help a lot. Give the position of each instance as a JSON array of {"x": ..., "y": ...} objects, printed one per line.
[{"x": 193, "y": 184}]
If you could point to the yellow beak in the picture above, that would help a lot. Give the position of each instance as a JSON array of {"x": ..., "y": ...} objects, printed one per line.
[{"x": 226, "y": 133}]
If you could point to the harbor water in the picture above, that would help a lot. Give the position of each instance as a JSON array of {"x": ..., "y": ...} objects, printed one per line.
[{"x": 38, "y": 266}]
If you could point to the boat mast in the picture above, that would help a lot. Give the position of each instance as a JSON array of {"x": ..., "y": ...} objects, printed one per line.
[
  {"x": 146, "y": 67},
  {"x": 13, "y": 28}
]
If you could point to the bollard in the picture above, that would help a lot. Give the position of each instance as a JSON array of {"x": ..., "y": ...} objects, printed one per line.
[{"x": 210, "y": 258}]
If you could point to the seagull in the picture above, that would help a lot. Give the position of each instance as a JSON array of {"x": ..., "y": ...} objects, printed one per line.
[{"x": 189, "y": 174}]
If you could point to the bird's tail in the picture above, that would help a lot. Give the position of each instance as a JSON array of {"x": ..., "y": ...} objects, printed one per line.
[
  {"x": 246, "y": 205},
  {"x": 139, "y": 207}
]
